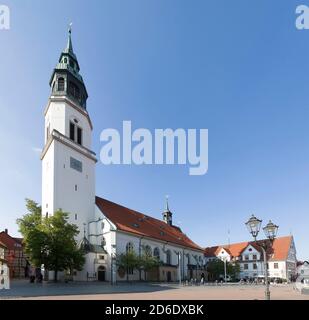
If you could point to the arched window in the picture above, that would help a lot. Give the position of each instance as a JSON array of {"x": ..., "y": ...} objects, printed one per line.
[
  {"x": 168, "y": 257},
  {"x": 156, "y": 253},
  {"x": 148, "y": 251},
  {"x": 61, "y": 84},
  {"x": 189, "y": 260},
  {"x": 129, "y": 247}
]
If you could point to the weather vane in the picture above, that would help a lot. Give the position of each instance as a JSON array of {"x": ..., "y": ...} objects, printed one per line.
[{"x": 167, "y": 207}]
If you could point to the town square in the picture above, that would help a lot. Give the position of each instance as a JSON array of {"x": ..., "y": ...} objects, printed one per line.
[
  {"x": 148, "y": 291},
  {"x": 152, "y": 154}
]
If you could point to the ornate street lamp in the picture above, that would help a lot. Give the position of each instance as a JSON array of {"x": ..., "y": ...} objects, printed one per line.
[
  {"x": 254, "y": 226},
  {"x": 270, "y": 230}
]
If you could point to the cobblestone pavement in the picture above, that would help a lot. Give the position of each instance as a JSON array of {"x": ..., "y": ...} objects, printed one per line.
[{"x": 144, "y": 291}]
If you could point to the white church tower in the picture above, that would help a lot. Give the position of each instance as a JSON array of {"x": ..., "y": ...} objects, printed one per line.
[{"x": 68, "y": 164}]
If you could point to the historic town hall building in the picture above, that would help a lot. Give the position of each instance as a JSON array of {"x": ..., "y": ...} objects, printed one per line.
[{"x": 68, "y": 183}]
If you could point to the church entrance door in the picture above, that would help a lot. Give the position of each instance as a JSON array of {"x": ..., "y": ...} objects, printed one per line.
[
  {"x": 169, "y": 276},
  {"x": 101, "y": 273}
]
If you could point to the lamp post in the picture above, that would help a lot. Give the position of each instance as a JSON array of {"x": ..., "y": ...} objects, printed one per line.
[
  {"x": 225, "y": 260},
  {"x": 178, "y": 253},
  {"x": 270, "y": 230}
]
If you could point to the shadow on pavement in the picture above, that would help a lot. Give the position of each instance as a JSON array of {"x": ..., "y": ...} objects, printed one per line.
[{"x": 20, "y": 289}]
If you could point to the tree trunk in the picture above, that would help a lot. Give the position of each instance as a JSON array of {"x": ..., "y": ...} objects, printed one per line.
[{"x": 56, "y": 276}]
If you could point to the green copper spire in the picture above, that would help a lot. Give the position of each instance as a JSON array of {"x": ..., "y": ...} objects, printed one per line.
[
  {"x": 66, "y": 79},
  {"x": 167, "y": 209},
  {"x": 69, "y": 47},
  {"x": 167, "y": 214}
]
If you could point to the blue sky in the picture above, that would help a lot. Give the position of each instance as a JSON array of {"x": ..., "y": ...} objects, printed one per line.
[{"x": 239, "y": 70}]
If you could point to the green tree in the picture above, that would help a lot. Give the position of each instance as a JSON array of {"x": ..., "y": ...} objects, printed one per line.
[
  {"x": 61, "y": 251},
  {"x": 147, "y": 262},
  {"x": 215, "y": 269},
  {"x": 128, "y": 261},
  {"x": 50, "y": 241},
  {"x": 34, "y": 238},
  {"x": 233, "y": 269}
]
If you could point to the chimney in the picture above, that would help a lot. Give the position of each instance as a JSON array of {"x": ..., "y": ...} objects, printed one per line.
[{"x": 6, "y": 231}]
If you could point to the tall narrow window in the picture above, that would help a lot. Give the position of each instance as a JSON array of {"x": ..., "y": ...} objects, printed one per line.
[
  {"x": 129, "y": 250},
  {"x": 156, "y": 253},
  {"x": 168, "y": 257},
  {"x": 79, "y": 135},
  {"x": 74, "y": 91},
  {"x": 129, "y": 247},
  {"x": 61, "y": 84},
  {"x": 47, "y": 132},
  {"x": 72, "y": 131}
]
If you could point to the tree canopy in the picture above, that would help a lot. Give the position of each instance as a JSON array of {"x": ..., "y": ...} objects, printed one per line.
[
  {"x": 50, "y": 241},
  {"x": 131, "y": 261},
  {"x": 215, "y": 269}
]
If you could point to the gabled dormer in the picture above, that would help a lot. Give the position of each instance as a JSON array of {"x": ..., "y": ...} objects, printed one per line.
[
  {"x": 224, "y": 254},
  {"x": 250, "y": 253}
]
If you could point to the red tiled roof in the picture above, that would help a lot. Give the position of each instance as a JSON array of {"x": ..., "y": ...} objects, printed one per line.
[
  {"x": 140, "y": 224},
  {"x": 279, "y": 250},
  {"x": 2, "y": 245},
  {"x": 20, "y": 240},
  {"x": 234, "y": 249},
  {"x": 10, "y": 241}
]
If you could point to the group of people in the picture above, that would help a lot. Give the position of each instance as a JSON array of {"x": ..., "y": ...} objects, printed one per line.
[
  {"x": 36, "y": 276},
  {"x": 195, "y": 281}
]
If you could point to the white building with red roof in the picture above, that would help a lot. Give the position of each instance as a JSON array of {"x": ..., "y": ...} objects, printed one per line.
[
  {"x": 68, "y": 183},
  {"x": 4, "y": 269},
  {"x": 282, "y": 262}
]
